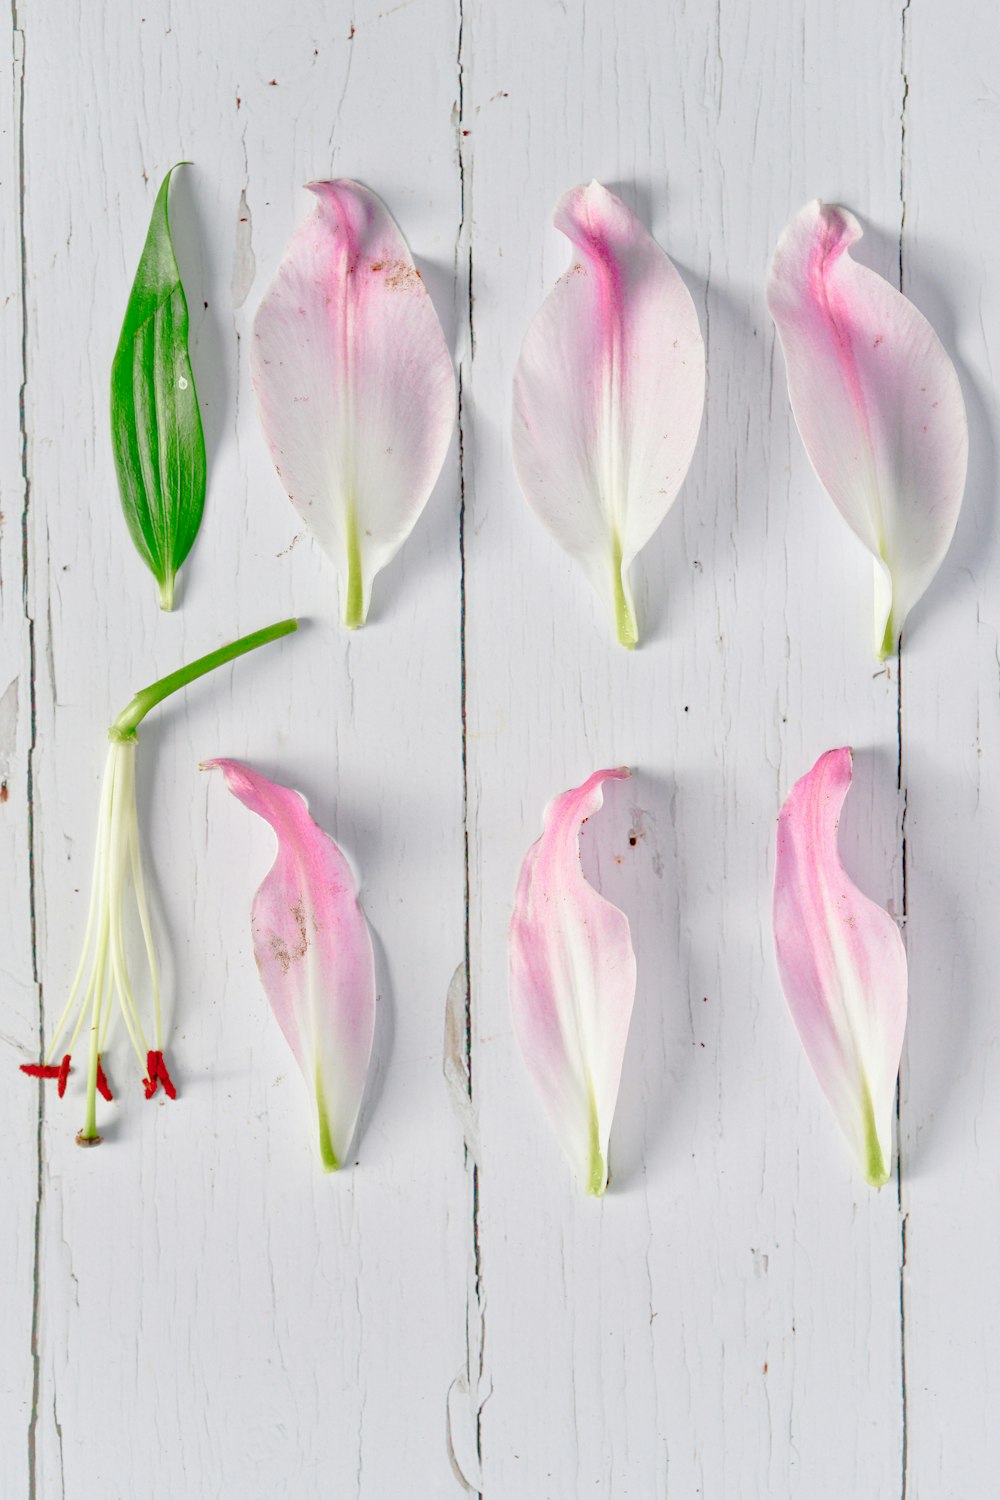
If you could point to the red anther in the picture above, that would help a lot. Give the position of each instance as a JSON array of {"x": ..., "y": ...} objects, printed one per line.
[
  {"x": 40, "y": 1070},
  {"x": 103, "y": 1088},
  {"x": 63, "y": 1075},
  {"x": 156, "y": 1070},
  {"x": 166, "y": 1080}
]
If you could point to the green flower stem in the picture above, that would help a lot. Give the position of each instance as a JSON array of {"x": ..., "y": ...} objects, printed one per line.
[{"x": 128, "y": 721}]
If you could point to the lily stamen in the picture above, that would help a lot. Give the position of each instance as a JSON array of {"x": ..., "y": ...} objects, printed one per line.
[{"x": 103, "y": 975}]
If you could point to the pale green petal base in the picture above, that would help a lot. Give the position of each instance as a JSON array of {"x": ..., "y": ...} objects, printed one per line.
[
  {"x": 597, "y": 1167},
  {"x": 876, "y": 1169},
  {"x": 327, "y": 1154},
  {"x": 885, "y": 599},
  {"x": 625, "y": 625},
  {"x": 354, "y": 612},
  {"x": 889, "y": 641}
]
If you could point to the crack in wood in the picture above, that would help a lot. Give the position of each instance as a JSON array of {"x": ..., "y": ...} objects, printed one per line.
[
  {"x": 19, "y": 49},
  {"x": 901, "y": 791},
  {"x": 475, "y": 1310},
  {"x": 18, "y": 72}
]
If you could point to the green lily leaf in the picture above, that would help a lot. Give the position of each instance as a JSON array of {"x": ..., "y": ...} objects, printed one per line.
[{"x": 156, "y": 429}]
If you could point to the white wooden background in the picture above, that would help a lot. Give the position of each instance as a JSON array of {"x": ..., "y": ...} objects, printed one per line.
[{"x": 195, "y": 1310}]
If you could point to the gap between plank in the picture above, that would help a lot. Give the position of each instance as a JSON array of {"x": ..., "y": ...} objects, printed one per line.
[
  {"x": 474, "y": 1322},
  {"x": 18, "y": 51},
  {"x": 901, "y": 789}
]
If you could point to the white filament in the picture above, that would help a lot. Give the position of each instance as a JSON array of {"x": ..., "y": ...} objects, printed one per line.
[{"x": 103, "y": 963}]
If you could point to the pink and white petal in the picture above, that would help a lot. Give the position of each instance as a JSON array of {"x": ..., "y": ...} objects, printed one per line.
[
  {"x": 314, "y": 954},
  {"x": 572, "y": 983},
  {"x": 355, "y": 387},
  {"x": 842, "y": 966},
  {"x": 877, "y": 403},
  {"x": 608, "y": 395}
]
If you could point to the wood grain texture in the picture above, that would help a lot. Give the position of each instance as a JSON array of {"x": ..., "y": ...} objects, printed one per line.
[
  {"x": 20, "y": 1107},
  {"x": 734, "y": 1302},
  {"x": 194, "y": 1309},
  {"x": 949, "y": 1096},
  {"x": 213, "y": 1309}
]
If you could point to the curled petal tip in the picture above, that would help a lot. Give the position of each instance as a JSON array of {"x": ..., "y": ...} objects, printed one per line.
[
  {"x": 315, "y": 957},
  {"x": 877, "y": 403},
  {"x": 842, "y": 966},
  {"x": 608, "y": 395},
  {"x": 572, "y": 984},
  {"x": 354, "y": 383}
]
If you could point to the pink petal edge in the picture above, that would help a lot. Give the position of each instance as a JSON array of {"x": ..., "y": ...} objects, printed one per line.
[
  {"x": 842, "y": 966},
  {"x": 355, "y": 387},
  {"x": 572, "y": 983},
  {"x": 608, "y": 395},
  {"x": 877, "y": 403},
  {"x": 314, "y": 954}
]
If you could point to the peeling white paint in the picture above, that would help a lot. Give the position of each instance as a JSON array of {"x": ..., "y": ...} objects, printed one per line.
[
  {"x": 244, "y": 260},
  {"x": 456, "y": 1063},
  {"x": 255, "y": 1327}
]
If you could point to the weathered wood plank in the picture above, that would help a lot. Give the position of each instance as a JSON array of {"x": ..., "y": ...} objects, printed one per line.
[
  {"x": 213, "y": 1316},
  {"x": 726, "y": 1322},
  {"x": 217, "y": 1317},
  {"x": 20, "y": 1101},
  {"x": 950, "y": 1102}
]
